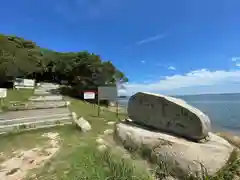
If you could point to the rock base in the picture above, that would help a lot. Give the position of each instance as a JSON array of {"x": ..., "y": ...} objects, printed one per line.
[{"x": 182, "y": 156}]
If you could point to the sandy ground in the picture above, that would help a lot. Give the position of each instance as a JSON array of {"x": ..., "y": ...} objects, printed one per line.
[{"x": 17, "y": 167}]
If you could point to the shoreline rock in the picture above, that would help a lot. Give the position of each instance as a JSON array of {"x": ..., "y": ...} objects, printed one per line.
[{"x": 183, "y": 156}]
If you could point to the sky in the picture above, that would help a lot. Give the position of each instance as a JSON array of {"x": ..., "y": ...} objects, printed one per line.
[{"x": 162, "y": 46}]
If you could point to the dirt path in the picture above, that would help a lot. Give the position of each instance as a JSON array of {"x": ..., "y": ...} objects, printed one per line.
[{"x": 17, "y": 167}]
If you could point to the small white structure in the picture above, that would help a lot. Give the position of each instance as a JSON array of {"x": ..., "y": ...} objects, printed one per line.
[
  {"x": 24, "y": 83},
  {"x": 3, "y": 92}
]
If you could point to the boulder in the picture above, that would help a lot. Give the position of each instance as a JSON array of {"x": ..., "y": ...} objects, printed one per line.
[
  {"x": 168, "y": 114},
  {"x": 68, "y": 103},
  {"x": 83, "y": 124},
  {"x": 74, "y": 116},
  {"x": 183, "y": 156},
  {"x": 102, "y": 147},
  {"x": 111, "y": 122},
  {"x": 100, "y": 140},
  {"x": 108, "y": 131}
]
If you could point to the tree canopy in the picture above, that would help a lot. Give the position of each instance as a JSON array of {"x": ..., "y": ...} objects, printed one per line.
[{"x": 23, "y": 58}]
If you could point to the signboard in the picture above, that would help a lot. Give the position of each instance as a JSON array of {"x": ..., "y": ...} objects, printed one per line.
[
  {"x": 107, "y": 93},
  {"x": 29, "y": 82},
  {"x": 89, "y": 95},
  {"x": 24, "y": 83},
  {"x": 3, "y": 93}
]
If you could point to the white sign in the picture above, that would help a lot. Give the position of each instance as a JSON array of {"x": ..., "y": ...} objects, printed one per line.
[
  {"x": 3, "y": 92},
  {"x": 24, "y": 83},
  {"x": 29, "y": 82},
  {"x": 89, "y": 95}
]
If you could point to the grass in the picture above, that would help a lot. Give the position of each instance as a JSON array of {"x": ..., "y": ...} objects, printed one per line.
[
  {"x": 79, "y": 157},
  {"x": 90, "y": 113},
  {"x": 20, "y": 95}
]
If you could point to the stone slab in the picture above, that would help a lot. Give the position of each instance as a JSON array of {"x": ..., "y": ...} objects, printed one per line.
[
  {"x": 47, "y": 104},
  {"x": 49, "y": 85},
  {"x": 41, "y": 92},
  {"x": 169, "y": 114},
  {"x": 46, "y": 98},
  {"x": 31, "y": 113},
  {"x": 180, "y": 154}
]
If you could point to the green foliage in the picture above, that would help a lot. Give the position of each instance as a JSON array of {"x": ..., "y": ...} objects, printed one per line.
[
  {"x": 23, "y": 58},
  {"x": 18, "y": 58}
]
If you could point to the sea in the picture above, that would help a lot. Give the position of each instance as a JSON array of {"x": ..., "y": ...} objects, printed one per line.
[{"x": 222, "y": 109}]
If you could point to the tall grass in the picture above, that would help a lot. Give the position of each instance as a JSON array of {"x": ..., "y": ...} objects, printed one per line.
[{"x": 123, "y": 169}]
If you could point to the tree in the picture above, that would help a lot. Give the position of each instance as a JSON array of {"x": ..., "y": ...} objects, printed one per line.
[
  {"x": 18, "y": 58},
  {"x": 84, "y": 70}
]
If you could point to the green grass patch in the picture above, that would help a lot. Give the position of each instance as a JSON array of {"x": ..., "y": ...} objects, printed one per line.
[
  {"x": 20, "y": 95},
  {"x": 90, "y": 113},
  {"x": 79, "y": 158}
]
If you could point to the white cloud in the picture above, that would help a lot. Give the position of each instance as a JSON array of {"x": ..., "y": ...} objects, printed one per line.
[
  {"x": 122, "y": 92},
  {"x": 150, "y": 39},
  {"x": 143, "y": 62},
  {"x": 171, "y": 68},
  {"x": 197, "y": 78},
  {"x": 234, "y": 59}
]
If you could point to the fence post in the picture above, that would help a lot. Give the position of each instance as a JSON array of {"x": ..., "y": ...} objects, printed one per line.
[
  {"x": 98, "y": 107},
  {"x": 117, "y": 108}
]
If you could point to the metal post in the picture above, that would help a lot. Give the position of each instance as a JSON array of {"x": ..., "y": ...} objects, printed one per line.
[
  {"x": 98, "y": 107},
  {"x": 2, "y": 102},
  {"x": 117, "y": 108}
]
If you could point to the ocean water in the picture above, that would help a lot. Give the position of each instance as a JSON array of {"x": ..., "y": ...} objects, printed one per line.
[{"x": 222, "y": 109}]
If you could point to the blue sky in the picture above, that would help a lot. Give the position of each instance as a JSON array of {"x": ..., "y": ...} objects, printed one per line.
[{"x": 172, "y": 47}]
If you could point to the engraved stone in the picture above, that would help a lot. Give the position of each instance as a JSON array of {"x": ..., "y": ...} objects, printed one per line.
[{"x": 168, "y": 114}]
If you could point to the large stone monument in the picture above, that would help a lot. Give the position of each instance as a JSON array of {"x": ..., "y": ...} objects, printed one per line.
[
  {"x": 168, "y": 114},
  {"x": 177, "y": 136}
]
